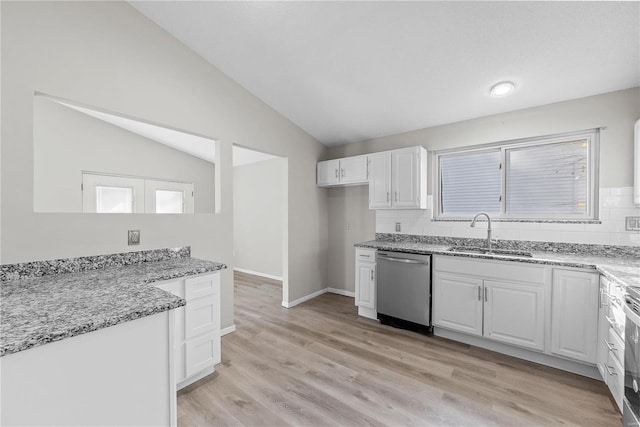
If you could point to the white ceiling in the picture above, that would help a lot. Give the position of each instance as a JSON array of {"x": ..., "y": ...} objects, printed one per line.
[{"x": 348, "y": 71}]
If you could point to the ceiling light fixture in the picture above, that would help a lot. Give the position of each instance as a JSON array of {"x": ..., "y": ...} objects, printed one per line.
[{"x": 502, "y": 89}]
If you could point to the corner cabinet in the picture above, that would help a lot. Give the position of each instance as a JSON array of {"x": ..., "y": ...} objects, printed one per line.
[
  {"x": 196, "y": 337},
  {"x": 574, "y": 314},
  {"x": 398, "y": 179},
  {"x": 345, "y": 171},
  {"x": 366, "y": 282}
]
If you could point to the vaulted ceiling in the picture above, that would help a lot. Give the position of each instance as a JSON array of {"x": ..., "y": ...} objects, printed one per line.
[{"x": 349, "y": 71}]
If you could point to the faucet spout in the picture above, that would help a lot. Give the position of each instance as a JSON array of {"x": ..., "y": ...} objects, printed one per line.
[{"x": 473, "y": 224}]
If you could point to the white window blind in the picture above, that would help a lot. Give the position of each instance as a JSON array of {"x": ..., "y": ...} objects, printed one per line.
[
  {"x": 548, "y": 179},
  {"x": 471, "y": 183}
]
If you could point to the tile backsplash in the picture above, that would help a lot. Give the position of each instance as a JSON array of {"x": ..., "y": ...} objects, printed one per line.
[{"x": 616, "y": 203}]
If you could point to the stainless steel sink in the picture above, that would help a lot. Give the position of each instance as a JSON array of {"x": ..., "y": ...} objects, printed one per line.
[{"x": 485, "y": 251}]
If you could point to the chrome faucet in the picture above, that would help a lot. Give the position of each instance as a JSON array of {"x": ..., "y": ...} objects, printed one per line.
[{"x": 473, "y": 224}]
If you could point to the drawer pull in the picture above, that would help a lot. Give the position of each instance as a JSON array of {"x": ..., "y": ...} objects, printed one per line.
[
  {"x": 611, "y": 346},
  {"x": 612, "y": 322},
  {"x": 610, "y": 370},
  {"x": 479, "y": 293}
]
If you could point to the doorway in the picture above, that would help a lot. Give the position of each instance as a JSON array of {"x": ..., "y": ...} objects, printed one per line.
[{"x": 260, "y": 215}]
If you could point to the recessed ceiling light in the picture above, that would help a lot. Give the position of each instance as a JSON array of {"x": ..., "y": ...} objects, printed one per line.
[{"x": 502, "y": 89}]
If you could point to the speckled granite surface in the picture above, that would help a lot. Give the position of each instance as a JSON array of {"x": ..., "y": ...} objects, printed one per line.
[
  {"x": 39, "y": 310},
  {"x": 96, "y": 262},
  {"x": 619, "y": 263}
]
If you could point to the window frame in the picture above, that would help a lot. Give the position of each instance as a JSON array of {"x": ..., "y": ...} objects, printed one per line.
[{"x": 593, "y": 140}]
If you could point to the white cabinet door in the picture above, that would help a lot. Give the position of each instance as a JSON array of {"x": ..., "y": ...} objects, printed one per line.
[
  {"x": 514, "y": 313},
  {"x": 380, "y": 180},
  {"x": 366, "y": 285},
  {"x": 353, "y": 170},
  {"x": 405, "y": 167},
  {"x": 574, "y": 314},
  {"x": 457, "y": 303},
  {"x": 328, "y": 172}
]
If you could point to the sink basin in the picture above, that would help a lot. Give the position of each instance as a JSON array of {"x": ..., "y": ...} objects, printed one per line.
[{"x": 479, "y": 250}]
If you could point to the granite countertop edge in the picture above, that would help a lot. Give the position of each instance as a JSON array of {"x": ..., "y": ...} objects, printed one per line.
[
  {"x": 36, "y": 337},
  {"x": 544, "y": 258}
]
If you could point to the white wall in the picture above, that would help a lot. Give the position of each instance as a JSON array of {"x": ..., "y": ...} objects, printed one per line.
[
  {"x": 66, "y": 142},
  {"x": 108, "y": 55},
  {"x": 617, "y": 111},
  {"x": 258, "y": 208}
]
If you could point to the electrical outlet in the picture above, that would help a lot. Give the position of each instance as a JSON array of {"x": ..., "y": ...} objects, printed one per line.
[
  {"x": 398, "y": 227},
  {"x": 632, "y": 223},
  {"x": 134, "y": 237}
]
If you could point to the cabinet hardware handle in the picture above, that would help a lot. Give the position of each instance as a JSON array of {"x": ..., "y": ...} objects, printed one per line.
[
  {"x": 486, "y": 295},
  {"x": 372, "y": 275},
  {"x": 342, "y": 173},
  {"x": 611, "y": 347},
  {"x": 612, "y": 322},
  {"x": 479, "y": 293},
  {"x": 610, "y": 370}
]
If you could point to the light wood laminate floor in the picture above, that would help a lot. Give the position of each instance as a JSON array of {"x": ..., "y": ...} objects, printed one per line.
[{"x": 319, "y": 364}]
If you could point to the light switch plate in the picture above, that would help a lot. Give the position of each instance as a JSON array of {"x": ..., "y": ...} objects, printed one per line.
[
  {"x": 134, "y": 237},
  {"x": 632, "y": 223},
  {"x": 398, "y": 227}
]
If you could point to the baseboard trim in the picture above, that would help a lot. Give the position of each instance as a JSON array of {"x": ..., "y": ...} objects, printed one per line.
[
  {"x": 579, "y": 368},
  {"x": 304, "y": 298},
  {"x": 257, "y": 273},
  {"x": 342, "y": 292},
  {"x": 227, "y": 330},
  {"x": 317, "y": 294}
]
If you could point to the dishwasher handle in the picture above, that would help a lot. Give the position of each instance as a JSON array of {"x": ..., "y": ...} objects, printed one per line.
[{"x": 403, "y": 260}]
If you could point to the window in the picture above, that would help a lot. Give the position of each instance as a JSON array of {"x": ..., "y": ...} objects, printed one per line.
[
  {"x": 169, "y": 201},
  {"x": 538, "y": 178},
  {"x": 111, "y": 193},
  {"x": 114, "y": 199}
]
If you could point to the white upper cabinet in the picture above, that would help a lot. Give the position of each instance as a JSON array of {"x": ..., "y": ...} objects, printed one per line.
[
  {"x": 346, "y": 171},
  {"x": 398, "y": 179},
  {"x": 353, "y": 170},
  {"x": 328, "y": 173},
  {"x": 380, "y": 180}
]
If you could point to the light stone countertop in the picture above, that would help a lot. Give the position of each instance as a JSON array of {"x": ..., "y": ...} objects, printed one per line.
[
  {"x": 620, "y": 269},
  {"x": 39, "y": 310}
]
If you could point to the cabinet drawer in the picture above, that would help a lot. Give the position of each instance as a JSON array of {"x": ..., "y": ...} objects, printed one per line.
[
  {"x": 487, "y": 269},
  {"x": 616, "y": 293},
  {"x": 202, "y": 353},
  {"x": 367, "y": 255},
  {"x": 616, "y": 318},
  {"x": 615, "y": 380},
  {"x": 202, "y": 316},
  {"x": 615, "y": 345},
  {"x": 201, "y": 286}
]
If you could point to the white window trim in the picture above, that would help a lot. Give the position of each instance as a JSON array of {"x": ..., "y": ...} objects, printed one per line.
[{"x": 593, "y": 137}]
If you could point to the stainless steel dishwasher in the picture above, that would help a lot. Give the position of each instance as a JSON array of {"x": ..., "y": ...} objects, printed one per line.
[{"x": 404, "y": 290}]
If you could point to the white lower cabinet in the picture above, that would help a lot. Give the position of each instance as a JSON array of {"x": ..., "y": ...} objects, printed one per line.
[
  {"x": 366, "y": 282},
  {"x": 457, "y": 303},
  {"x": 512, "y": 313},
  {"x": 574, "y": 314},
  {"x": 197, "y": 326}
]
